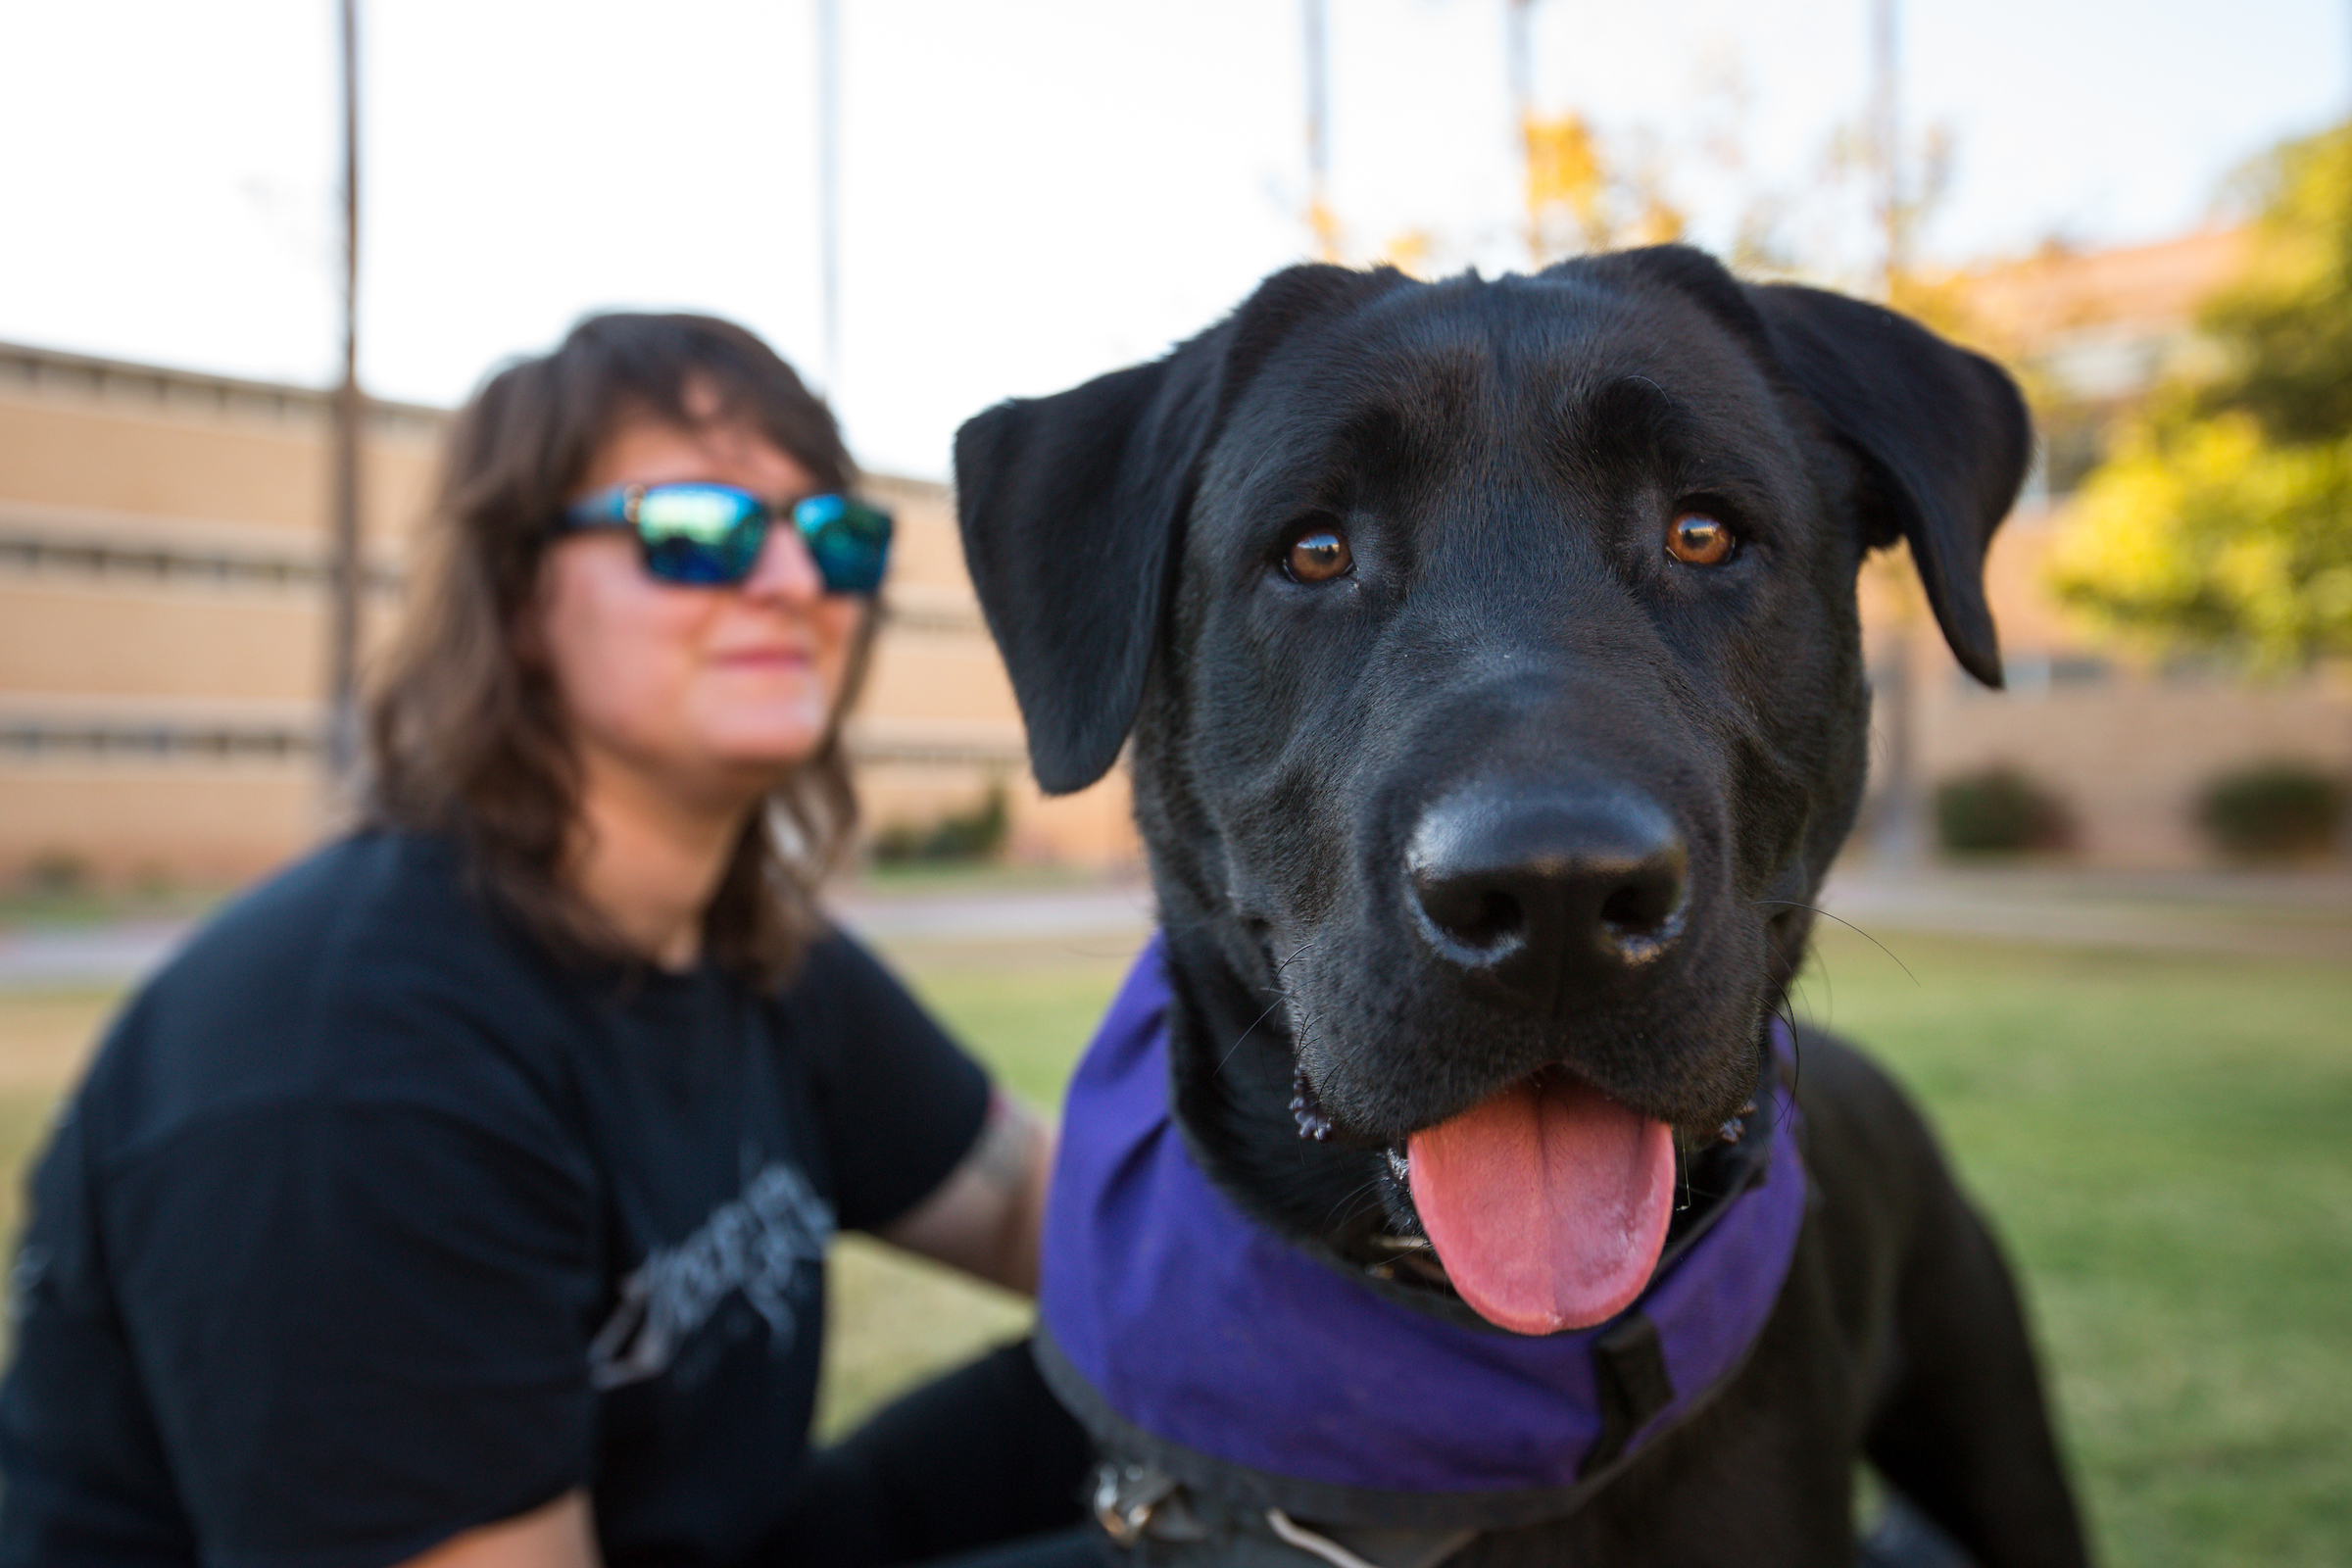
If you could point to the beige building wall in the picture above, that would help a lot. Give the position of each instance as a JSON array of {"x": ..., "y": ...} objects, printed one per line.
[
  {"x": 2106, "y": 324},
  {"x": 937, "y": 726},
  {"x": 2128, "y": 742},
  {"x": 163, "y": 630},
  {"x": 162, "y": 611}
]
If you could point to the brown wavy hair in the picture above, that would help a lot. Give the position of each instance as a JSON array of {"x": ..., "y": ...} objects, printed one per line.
[{"x": 468, "y": 740}]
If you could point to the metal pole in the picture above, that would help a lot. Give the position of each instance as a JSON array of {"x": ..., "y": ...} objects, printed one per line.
[
  {"x": 828, "y": 183},
  {"x": 1519, "y": 47},
  {"x": 1900, "y": 836},
  {"x": 344, "y": 564},
  {"x": 1319, "y": 220},
  {"x": 1518, "y": 42},
  {"x": 1887, "y": 140}
]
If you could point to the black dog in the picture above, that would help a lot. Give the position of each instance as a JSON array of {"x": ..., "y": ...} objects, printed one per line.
[{"x": 1490, "y": 657}]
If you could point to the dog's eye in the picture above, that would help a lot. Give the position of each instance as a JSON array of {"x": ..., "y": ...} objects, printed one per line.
[
  {"x": 1318, "y": 556},
  {"x": 1697, "y": 540}
]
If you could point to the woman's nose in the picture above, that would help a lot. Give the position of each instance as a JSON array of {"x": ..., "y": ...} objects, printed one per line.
[{"x": 785, "y": 569}]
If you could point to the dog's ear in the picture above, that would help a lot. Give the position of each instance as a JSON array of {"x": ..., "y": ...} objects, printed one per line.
[
  {"x": 1942, "y": 431},
  {"x": 1073, "y": 506}
]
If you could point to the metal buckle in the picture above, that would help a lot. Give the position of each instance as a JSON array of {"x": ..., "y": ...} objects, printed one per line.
[{"x": 1133, "y": 1500}]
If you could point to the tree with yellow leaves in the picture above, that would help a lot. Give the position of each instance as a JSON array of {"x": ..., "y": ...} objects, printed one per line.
[
  {"x": 2224, "y": 518},
  {"x": 1580, "y": 199}
]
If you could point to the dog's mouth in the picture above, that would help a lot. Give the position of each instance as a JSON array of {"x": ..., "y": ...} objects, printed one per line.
[
  {"x": 1545, "y": 1209},
  {"x": 1546, "y": 1203}
]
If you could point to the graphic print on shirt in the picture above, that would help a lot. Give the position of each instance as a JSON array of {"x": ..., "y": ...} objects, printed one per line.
[{"x": 756, "y": 1244}]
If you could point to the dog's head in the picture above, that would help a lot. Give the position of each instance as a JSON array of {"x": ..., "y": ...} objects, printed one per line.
[{"x": 1490, "y": 657}]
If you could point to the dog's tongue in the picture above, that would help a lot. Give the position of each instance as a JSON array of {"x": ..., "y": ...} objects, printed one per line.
[{"x": 1547, "y": 1205}]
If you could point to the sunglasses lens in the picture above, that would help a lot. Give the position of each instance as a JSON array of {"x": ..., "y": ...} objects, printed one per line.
[
  {"x": 701, "y": 534},
  {"x": 850, "y": 540}
]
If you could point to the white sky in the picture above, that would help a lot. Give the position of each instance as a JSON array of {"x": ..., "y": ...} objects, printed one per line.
[{"x": 1034, "y": 190}]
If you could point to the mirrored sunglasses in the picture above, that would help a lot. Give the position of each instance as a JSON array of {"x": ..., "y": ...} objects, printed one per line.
[{"x": 709, "y": 536}]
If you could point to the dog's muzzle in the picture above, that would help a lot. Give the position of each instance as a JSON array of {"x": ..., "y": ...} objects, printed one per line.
[{"x": 1543, "y": 900}]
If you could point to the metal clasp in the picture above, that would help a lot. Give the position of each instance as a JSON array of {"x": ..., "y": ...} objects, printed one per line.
[{"x": 1133, "y": 1500}]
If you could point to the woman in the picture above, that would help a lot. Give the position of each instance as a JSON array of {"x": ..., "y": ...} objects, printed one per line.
[{"x": 458, "y": 1196}]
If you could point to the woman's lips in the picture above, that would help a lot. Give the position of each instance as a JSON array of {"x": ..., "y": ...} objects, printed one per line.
[{"x": 763, "y": 659}]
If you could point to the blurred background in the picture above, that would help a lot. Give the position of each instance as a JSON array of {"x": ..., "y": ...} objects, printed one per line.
[{"x": 256, "y": 251}]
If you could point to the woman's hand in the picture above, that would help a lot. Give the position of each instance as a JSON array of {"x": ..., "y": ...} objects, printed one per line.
[
  {"x": 556, "y": 1536},
  {"x": 987, "y": 1216}
]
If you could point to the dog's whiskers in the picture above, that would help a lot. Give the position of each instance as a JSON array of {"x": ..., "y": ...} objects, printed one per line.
[
  {"x": 1345, "y": 1209},
  {"x": 1798, "y": 904},
  {"x": 1297, "y": 953},
  {"x": 1787, "y": 1013},
  {"x": 1245, "y": 1034}
]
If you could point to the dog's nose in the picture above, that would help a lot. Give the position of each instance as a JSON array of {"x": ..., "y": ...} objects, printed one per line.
[{"x": 1544, "y": 897}]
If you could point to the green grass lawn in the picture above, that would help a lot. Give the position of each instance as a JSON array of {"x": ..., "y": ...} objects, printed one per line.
[
  {"x": 2164, "y": 1142},
  {"x": 1027, "y": 1010}
]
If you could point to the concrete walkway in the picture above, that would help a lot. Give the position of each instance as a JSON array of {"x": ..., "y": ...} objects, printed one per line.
[
  {"x": 2252, "y": 914},
  {"x": 93, "y": 958},
  {"x": 1121, "y": 909},
  {"x": 2300, "y": 916},
  {"x": 97, "y": 957}
]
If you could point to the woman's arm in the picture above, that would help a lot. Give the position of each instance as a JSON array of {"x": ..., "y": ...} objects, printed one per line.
[
  {"x": 987, "y": 1216},
  {"x": 556, "y": 1536}
]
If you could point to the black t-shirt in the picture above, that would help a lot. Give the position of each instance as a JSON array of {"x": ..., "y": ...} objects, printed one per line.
[{"x": 373, "y": 1223}]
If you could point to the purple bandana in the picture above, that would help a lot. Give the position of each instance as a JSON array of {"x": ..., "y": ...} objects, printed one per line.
[{"x": 1192, "y": 1325}]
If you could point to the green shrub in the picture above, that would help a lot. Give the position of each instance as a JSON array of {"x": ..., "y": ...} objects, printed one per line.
[
  {"x": 56, "y": 873},
  {"x": 975, "y": 835},
  {"x": 2272, "y": 811},
  {"x": 2001, "y": 811}
]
